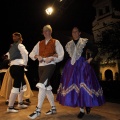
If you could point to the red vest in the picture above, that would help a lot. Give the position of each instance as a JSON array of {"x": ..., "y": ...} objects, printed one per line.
[{"x": 47, "y": 50}]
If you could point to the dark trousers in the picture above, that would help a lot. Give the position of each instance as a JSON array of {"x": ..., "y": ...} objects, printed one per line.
[
  {"x": 46, "y": 72},
  {"x": 17, "y": 73}
]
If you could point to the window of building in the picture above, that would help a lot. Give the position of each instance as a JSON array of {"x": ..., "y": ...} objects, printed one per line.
[
  {"x": 100, "y": 12},
  {"x": 107, "y": 9}
]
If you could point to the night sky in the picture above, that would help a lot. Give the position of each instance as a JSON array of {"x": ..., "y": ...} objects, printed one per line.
[{"x": 28, "y": 17}]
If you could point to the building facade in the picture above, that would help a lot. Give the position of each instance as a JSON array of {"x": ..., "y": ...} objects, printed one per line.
[{"x": 107, "y": 14}]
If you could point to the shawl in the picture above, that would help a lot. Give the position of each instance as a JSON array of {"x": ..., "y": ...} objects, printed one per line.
[{"x": 75, "y": 51}]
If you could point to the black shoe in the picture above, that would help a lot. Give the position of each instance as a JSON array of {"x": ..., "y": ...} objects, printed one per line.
[
  {"x": 6, "y": 102},
  {"x": 88, "y": 110},
  {"x": 35, "y": 114},
  {"x": 80, "y": 115},
  {"x": 52, "y": 111},
  {"x": 12, "y": 109},
  {"x": 28, "y": 101}
]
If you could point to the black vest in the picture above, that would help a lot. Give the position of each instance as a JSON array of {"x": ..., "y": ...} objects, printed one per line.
[{"x": 14, "y": 52}]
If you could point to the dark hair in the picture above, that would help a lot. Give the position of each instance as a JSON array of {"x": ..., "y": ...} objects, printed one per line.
[{"x": 77, "y": 28}]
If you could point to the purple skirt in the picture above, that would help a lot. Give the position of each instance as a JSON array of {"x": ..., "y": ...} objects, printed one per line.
[{"x": 79, "y": 86}]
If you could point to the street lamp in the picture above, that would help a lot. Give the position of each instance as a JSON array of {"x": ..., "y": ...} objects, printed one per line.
[{"x": 49, "y": 10}]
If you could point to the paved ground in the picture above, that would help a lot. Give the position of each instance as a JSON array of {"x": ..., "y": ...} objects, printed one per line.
[{"x": 109, "y": 111}]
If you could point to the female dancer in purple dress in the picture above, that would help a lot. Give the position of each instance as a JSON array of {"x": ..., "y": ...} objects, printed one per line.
[{"x": 79, "y": 86}]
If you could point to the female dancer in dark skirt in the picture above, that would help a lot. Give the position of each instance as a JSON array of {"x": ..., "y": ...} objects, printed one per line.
[{"x": 79, "y": 86}]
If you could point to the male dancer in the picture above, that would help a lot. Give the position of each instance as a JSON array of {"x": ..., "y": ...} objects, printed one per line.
[{"x": 48, "y": 52}]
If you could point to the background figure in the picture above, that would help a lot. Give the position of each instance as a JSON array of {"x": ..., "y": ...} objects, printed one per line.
[
  {"x": 79, "y": 86},
  {"x": 48, "y": 52},
  {"x": 18, "y": 56},
  {"x": 3, "y": 67},
  {"x": 5, "y": 63}
]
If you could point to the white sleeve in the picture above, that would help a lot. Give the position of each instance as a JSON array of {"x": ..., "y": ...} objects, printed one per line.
[
  {"x": 24, "y": 53},
  {"x": 59, "y": 51},
  {"x": 35, "y": 51}
]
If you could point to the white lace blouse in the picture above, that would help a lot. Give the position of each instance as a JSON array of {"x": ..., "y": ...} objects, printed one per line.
[{"x": 75, "y": 51}]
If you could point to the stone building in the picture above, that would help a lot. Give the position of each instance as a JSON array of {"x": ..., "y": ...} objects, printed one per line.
[{"x": 107, "y": 14}]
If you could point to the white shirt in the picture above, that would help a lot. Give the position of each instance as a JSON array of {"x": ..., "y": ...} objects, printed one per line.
[
  {"x": 24, "y": 54},
  {"x": 59, "y": 52}
]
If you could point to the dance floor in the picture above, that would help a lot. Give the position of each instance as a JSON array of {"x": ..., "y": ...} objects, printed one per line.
[{"x": 109, "y": 111}]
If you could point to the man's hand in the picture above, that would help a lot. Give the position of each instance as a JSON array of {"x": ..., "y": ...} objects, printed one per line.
[
  {"x": 38, "y": 57},
  {"x": 48, "y": 60},
  {"x": 55, "y": 55}
]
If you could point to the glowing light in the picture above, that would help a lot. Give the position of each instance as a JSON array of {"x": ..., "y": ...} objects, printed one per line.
[{"x": 49, "y": 10}]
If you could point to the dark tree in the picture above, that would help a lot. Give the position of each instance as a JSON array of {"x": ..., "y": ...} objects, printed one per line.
[{"x": 110, "y": 41}]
